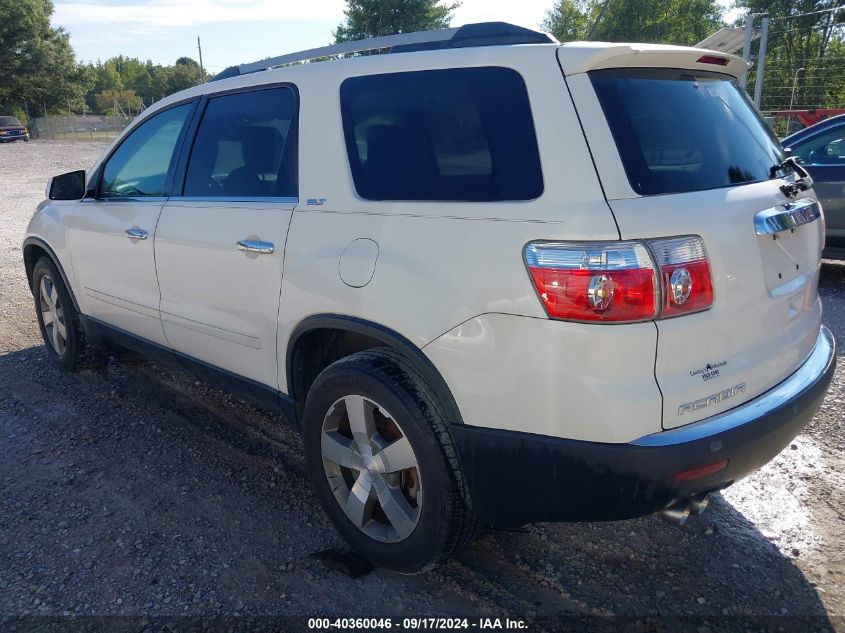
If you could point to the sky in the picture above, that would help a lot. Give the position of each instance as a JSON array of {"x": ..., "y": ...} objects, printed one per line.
[{"x": 234, "y": 31}]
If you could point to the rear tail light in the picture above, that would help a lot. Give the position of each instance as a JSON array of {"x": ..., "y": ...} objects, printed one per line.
[
  {"x": 684, "y": 275},
  {"x": 620, "y": 282},
  {"x": 612, "y": 281}
]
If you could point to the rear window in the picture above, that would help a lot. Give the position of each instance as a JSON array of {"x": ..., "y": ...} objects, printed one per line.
[
  {"x": 10, "y": 121},
  {"x": 681, "y": 130},
  {"x": 462, "y": 134}
]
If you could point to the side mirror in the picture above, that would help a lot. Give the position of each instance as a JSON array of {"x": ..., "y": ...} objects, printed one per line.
[{"x": 69, "y": 186}]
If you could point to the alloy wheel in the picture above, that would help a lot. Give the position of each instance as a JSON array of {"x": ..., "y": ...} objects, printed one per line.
[
  {"x": 371, "y": 468},
  {"x": 52, "y": 315}
]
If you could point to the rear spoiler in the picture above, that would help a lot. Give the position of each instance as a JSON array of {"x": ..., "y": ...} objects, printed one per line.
[{"x": 582, "y": 57}]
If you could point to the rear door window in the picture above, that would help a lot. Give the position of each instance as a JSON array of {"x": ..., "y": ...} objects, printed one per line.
[
  {"x": 245, "y": 147},
  {"x": 463, "y": 134},
  {"x": 683, "y": 130}
]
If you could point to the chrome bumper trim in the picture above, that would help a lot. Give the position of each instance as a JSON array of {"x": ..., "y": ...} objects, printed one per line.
[{"x": 813, "y": 369}]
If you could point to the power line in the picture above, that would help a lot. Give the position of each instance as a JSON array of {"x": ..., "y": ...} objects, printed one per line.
[{"x": 801, "y": 15}]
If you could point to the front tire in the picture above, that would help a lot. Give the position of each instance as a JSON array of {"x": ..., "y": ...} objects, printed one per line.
[
  {"x": 381, "y": 459},
  {"x": 57, "y": 318}
]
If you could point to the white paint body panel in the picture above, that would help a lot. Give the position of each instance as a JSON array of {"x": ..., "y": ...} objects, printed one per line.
[
  {"x": 116, "y": 275},
  {"x": 220, "y": 304},
  {"x": 439, "y": 264},
  {"x": 49, "y": 224},
  {"x": 763, "y": 335},
  {"x": 761, "y": 325},
  {"x": 584, "y": 382}
]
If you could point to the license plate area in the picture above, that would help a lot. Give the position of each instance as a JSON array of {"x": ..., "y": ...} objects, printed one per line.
[{"x": 789, "y": 240}]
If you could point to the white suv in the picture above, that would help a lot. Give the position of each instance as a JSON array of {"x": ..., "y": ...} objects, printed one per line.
[{"x": 491, "y": 278}]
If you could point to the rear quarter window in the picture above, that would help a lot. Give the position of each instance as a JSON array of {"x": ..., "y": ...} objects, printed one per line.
[{"x": 463, "y": 134}]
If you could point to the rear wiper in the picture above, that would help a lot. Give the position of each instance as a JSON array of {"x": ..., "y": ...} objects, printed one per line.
[{"x": 792, "y": 189}]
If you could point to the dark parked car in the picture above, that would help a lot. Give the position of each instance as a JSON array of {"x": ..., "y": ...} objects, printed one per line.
[
  {"x": 11, "y": 129},
  {"x": 821, "y": 149}
]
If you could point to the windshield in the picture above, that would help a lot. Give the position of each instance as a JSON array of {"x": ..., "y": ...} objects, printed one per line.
[
  {"x": 10, "y": 121},
  {"x": 683, "y": 130}
]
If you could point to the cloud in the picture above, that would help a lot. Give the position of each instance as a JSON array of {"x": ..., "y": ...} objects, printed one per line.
[{"x": 180, "y": 13}]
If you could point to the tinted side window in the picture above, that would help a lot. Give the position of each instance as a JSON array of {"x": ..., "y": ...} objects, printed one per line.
[
  {"x": 139, "y": 166},
  {"x": 825, "y": 149},
  {"x": 245, "y": 146},
  {"x": 462, "y": 134}
]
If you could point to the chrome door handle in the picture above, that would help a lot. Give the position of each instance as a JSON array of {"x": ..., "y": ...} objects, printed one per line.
[
  {"x": 254, "y": 246},
  {"x": 136, "y": 234}
]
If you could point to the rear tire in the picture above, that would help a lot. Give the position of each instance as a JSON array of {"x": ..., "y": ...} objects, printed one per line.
[
  {"x": 58, "y": 320},
  {"x": 382, "y": 462}
]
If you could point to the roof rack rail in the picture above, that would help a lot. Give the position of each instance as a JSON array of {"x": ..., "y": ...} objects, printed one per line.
[{"x": 469, "y": 35}]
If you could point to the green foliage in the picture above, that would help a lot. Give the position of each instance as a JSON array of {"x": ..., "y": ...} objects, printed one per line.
[
  {"x": 37, "y": 66},
  {"x": 656, "y": 21},
  {"x": 146, "y": 81},
  {"x": 115, "y": 101},
  {"x": 801, "y": 35},
  {"x": 569, "y": 20},
  {"x": 21, "y": 115},
  {"x": 39, "y": 73},
  {"x": 372, "y": 18}
]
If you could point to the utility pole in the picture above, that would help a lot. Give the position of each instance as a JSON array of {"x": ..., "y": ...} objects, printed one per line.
[
  {"x": 202, "y": 70},
  {"x": 746, "y": 46},
  {"x": 761, "y": 61}
]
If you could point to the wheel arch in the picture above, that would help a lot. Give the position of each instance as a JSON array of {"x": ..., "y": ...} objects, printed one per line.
[
  {"x": 33, "y": 249},
  {"x": 321, "y": 339}
]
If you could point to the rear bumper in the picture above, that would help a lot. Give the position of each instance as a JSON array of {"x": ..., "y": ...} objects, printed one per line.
[{"x": 517, "y": 478}]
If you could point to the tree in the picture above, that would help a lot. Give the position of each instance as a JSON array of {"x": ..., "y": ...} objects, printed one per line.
[
  {"x": 147, "y": 81},
  {"x": 656, "y": 21},
  {"x": 373, "y": 18},
  {"x": 104, "y": 78},
  {"x": 37, "y": 64},
  {"x": 805, "y": 63},
  {"x": 112, "y": 102}
]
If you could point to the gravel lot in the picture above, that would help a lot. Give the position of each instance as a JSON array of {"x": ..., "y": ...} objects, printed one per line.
[{"x": 134, "y": 490}]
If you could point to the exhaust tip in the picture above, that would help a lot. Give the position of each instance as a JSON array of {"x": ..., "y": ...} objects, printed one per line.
[
  {"x": 677, "y": 514},
  {"x": 698, "y": 503}
]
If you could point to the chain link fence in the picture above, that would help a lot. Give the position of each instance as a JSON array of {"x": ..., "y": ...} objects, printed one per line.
[
  {"x": 803, "y": 70},
  {"x": 810, "y": 84},
  {"x": 102, "y": 128}
]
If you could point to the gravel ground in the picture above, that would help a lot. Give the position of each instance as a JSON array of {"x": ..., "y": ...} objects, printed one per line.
[{"x": 132, "y": 489}]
